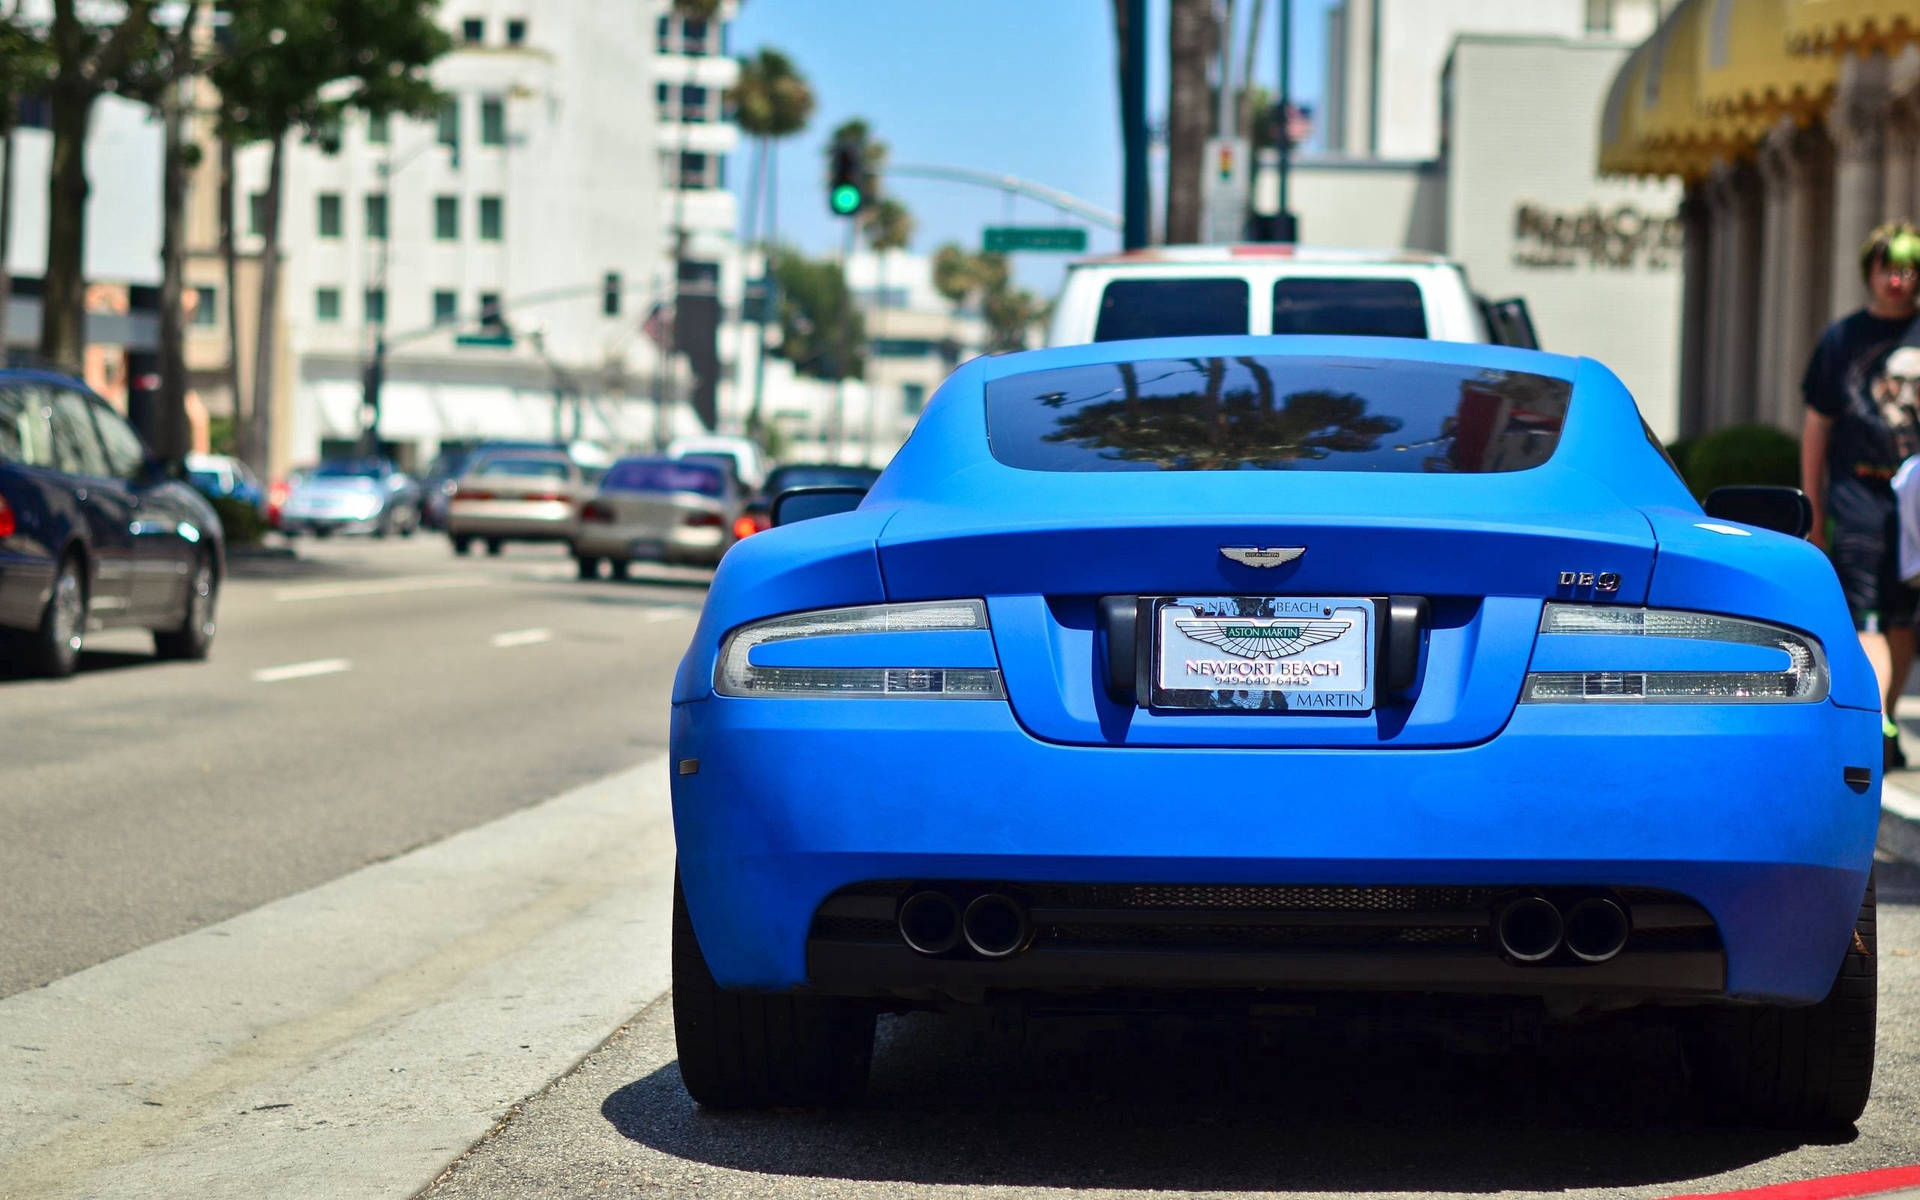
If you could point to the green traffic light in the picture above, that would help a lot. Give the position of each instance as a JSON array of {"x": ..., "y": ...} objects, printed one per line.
[{"x": 845, "y": 199}]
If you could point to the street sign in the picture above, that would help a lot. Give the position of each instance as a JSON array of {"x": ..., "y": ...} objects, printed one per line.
[{"x": 1002, "y": 239}]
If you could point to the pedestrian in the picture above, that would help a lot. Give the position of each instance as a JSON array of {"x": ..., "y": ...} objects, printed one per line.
[{"x": 1861, "y": 423}]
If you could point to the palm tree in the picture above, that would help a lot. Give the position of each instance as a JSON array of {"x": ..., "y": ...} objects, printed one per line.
[
  {"x": 888, "y": 226},
  {"x": 954, "y": 274},
  {"x": 771, "y": 101},
  {"x": 1190, "y": 46}
]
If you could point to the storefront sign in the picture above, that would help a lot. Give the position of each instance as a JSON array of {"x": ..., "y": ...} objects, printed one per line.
[{"x": 1619, "y": 237}]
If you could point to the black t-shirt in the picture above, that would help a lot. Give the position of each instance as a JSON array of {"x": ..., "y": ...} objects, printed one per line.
[{"x": 1844, "y": 381}]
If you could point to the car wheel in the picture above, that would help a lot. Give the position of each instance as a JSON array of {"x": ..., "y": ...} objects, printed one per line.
[
  {"x": 494, "y": 546},
  {"x": 194, "y": 636},
  {"x": 755, "y": 1050},
  {"x": 323, "y": 531},
  {"x": 620, "y": 567},
  {"x": 411, "y": 524},
  {"x": 63, "y": 626},
  {"x": 589, "y": 566},
  {"x": 385, "y": 526},
  {"x": 1807, "y": 1067},
  {"x": 462, "y": 545}
]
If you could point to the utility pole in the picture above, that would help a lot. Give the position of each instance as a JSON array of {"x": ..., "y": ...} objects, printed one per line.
[
  {"x": 1133, "y": 124},
  {"x": 1288, "y": 226}
]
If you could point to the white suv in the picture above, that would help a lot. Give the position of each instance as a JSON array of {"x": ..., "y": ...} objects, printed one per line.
[{"x": 1264, "y": 288}]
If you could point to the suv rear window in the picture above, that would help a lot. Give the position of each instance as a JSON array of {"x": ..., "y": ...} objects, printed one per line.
[
  {"x": 680, "y": 476},
  {"x": 1365, "y": 307},
  {"x": 1150, "y": 308},
  {"x": 524, "y": 468},
  {"x": 1276, "y": 414}
]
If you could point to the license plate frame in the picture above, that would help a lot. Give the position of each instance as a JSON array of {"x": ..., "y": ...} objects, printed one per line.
[{"x": 1260, "y": 650}]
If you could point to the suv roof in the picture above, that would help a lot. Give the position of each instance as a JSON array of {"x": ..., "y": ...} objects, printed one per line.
[{"x": 1238, "y": 252}]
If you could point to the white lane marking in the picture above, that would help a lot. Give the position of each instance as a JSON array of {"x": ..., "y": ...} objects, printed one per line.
[
  {"x": 1729, "y": 530},
  {"x": 319, "y": 666},
  {"x": 377, "y": 587},
  {"x": 521, "y": 637},
  {"x": 670, "y": 614},
  {"x": 1900, "y": 800},
  {"x": 428, "y": 993}
]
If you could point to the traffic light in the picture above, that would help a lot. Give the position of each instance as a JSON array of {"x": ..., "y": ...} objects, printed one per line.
[{"x": 847, "y": 179}]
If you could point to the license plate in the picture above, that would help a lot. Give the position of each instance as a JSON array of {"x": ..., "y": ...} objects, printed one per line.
[
  {"x": 1298, "y": 654},
  {"x": 647, "y": 548}
]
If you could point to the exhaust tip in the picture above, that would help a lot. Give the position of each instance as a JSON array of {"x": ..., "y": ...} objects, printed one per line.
[
  {"x": 929, "y": 922},
  {"x": 1528, "y": 928},
  {"x": 1597, "y": 929},
  {"x": 995, "y": 926}
]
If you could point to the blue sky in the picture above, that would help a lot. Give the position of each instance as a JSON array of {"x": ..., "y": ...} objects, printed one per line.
[{"x": 1024, "y": 87}]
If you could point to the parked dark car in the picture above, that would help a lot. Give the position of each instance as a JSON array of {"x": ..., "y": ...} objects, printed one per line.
[
  {"x": 436, "y": 486},
  {"x": 94, "y": 533},
  {"x": 220, "y": 476}
]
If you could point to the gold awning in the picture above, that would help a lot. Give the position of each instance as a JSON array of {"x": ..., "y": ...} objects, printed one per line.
[
  {"x": 1621, "y": 143},
  {"x": 1747, "y": 67},
  {"x": 1655, "y": 122},
  {"x": 1839, "y": 25}
]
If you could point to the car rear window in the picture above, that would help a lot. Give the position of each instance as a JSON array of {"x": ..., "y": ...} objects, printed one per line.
[
  {"x": 701, "y": 478},
  {"x": 523, "y": 468},
  {"x": 1365, "y": 307},
  {"x": 1256, "y": 412},
  {"x": 1150, "y": 308}
]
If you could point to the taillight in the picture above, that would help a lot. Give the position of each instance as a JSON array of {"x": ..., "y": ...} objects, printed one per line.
[
  {"x": 702, "y": 520},
  {"x": 545, "y": 496},
  {"x": 908, "y": 639},
  {"x": 596, "y": 511},
  {"x": 460, "y": 493},
  {"x": 7, "y": 524},
  {"x": 744, "y": 527}
]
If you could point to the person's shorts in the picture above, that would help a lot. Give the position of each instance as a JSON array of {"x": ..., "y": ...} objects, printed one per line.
[{"x": 1868, "y": 563}]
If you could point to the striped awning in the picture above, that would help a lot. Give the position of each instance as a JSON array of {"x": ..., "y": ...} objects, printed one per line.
[{"x": 1832, "y": 26}]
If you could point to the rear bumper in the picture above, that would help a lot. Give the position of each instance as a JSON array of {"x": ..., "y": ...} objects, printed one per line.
[
  {"x": 679, "y": 544},
  {"x": 1740, "y": 809},
  {"x": 532, "y": 521}
]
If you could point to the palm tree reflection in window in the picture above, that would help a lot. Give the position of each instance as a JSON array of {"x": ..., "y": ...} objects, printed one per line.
[{"x": 1213, "y": 427}]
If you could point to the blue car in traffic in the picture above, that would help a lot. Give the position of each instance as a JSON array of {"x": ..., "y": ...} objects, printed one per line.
[{"x": 1268, "y": 667}]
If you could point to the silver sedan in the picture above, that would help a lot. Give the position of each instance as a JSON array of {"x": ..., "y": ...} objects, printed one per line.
[
  {"x": 515, "y": 496},
  {"x": 658, "y": 509}
]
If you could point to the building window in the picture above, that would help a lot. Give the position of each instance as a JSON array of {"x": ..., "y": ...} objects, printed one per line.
[
  {"x": 376, "y": 214},
  {"x": 697, "y": 170},
  {"x": 446, "y": 218},
  {"x": 449, "y": 131},
  {"x": 1599, "y": 16},
  {"x": 913, "y": 398},
  {"x": 693, "y": 103},
  {"x": 663, "y": 101},
  {"x": 693, "y": 36},
  {"x": 610, "y": 295},
  {"x": 516, "y": 32},
  {"x": 379, "y": 128},
  {"x": 491, "y": 320},
  {"x": 329, "y": 214},
  {"x": 326, "y": 304},
  {"x": 473, "y": 31},
  {"x": 445, "y": 308},
  {"x": 376, "y": 306},
  {"x": 663, "y": 35},
  {"x": 257, "y": 214},
  {"x": 205, "y": 300},
  {"x": 493, "y": 121},
  {"x": 490, "y": 218}
]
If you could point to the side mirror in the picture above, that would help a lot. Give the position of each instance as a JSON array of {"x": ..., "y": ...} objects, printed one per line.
[
  {"x": 806, "y": 503},
  {"x": 1782, "y": 509}
]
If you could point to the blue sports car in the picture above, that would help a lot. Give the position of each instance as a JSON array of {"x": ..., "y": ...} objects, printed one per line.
[{"x": 1254, "y": 666}]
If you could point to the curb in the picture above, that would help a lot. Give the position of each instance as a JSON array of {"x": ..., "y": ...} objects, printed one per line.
[{"x": 1899, "y": 822}]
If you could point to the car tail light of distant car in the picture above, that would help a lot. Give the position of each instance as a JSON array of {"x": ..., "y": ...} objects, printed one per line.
[
  {"x": 461, "y": 493},
  {"x": 702, "y": 520},
  {"x": 596, "y": 512},
  {"x": 548, "y": 497},
  {"x": 735, "y": 675},
  {"x": 745, "y": 527},
  {"x": 1723, "y": 670},
  {"x": 7, "y": 523}
]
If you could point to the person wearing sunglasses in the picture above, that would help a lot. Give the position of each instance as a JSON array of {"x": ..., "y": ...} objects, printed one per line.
[{"x": 1861, "y": 423}]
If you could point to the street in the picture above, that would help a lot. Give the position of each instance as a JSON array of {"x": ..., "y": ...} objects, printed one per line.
[{"x": 375, "y": 901}]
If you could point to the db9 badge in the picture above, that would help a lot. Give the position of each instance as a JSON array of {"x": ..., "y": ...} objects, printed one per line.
[{"x": 1295, "y": 654}]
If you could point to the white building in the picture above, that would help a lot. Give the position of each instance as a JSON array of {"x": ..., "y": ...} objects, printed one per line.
[{"x": 513, "y": 250}]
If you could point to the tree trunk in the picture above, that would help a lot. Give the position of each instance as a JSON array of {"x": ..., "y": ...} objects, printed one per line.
[
  {"x": 171, "y": 439},
  {"x": 1190, "y": 47},
  {"x": 6, "y": 227},
  {"x": 772, "y": 302},
  {"x": 63, "y": 297},
  {"x": 230, "y": 261},
  {"x": 879, "y": 331},
  {"x": 261, "y": 438},
  {"x": 1244, "y": 127}
]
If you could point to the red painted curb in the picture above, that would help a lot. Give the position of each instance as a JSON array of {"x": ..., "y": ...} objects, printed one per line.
[{"x": 1861, "y": 1183}]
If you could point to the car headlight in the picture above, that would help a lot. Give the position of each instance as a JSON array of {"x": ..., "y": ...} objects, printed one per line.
[
  {"x": 903, "y": 659},
  {"x": 1719, "y": 664}
]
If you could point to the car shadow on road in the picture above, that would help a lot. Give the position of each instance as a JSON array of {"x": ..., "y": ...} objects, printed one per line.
[
  {"x": 1191, "y": 1107},
  {"x": 91, "y": 662}
]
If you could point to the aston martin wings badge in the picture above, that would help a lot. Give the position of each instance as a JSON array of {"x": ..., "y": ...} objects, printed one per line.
[
  {"x": 1262, "y": 556},
  {"x": 1249, "y": 637}
]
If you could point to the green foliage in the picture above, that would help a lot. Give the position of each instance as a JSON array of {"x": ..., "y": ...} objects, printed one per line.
[
  {"x": 221, "y": 436},
  {"x": 26, "y": 63},
  {"x": 821, "y": 332},
  {"x": 772, "y": 99},
  {"x": 1010, "y": 312},
  {"x": 1741, "y": 454},
  {"x": 242, "y": 522},
  {"x": 888, "y": 225},
  {"x": 300, "y": 64}
]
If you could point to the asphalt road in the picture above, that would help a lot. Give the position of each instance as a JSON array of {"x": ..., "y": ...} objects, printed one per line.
[{"x": 361, "y": 700}]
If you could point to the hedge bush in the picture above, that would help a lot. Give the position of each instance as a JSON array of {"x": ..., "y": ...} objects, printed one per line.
[
  {"x": 1741, "y": 454},
  {"x": 242, "y": 522}
]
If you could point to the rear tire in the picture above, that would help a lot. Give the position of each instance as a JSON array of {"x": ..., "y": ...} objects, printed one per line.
[
  {"x": 589, "y": 566},
  {"x": 494, "y": 546},
  {"x": 757, "y": 1050},
  {"x": 53, "y": 649},
  {"x": 193, "y": 637},
  {"x": 621, "y": 567},
  {"x": 1805, "y": 1067},
  {"x": 462, "y": 545}
]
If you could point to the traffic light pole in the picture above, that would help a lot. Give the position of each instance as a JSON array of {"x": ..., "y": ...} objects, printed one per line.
[{"x": 1133, "y": 126}]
